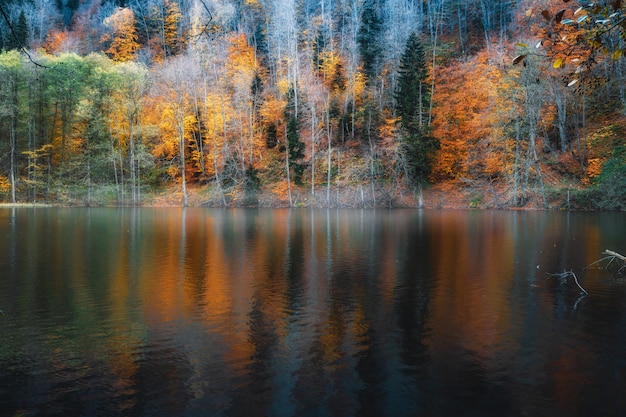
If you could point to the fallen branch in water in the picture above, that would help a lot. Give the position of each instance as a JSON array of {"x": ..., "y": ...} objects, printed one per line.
[
  {"x": 611, "y": 257},
  {"x": 614, "y": 254},
  {"x": 563, "y": 276}
]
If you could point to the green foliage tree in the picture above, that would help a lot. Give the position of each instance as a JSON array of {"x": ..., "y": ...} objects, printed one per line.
[
  {"x": 11, "y": 74},
  {"x": 417, "y": 146}
]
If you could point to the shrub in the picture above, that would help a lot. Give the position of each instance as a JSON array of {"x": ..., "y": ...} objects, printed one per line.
[{"x": 610, "y": 185}]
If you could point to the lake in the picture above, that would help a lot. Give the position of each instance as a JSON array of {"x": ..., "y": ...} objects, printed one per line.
[{"x": 247, "y": 312}]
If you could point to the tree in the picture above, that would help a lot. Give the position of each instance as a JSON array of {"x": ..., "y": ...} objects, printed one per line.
[
  {"x": 10, "y": 74},
  {"x": 244, "y": 86},
  {"x": 369, "y": 40},
  {"x": 18, "y": 39},
  {"x": 123, "y": 37},
  {"x": 413, "y": 90},
  {"x": 530, "y": 119},
  {"x": 413, "y": 103},
  {"x": 171, "y": 38},
  {"x": 93, "y": 117},
  {"x": 128, "y": 101},
  {"x": 580, "y": 36},
  {"x": 465, "y": 119},
  {"x": 295, "y": 147},
  {"x": 67, "y": 84},
  {"x": 176, "y": 80}
]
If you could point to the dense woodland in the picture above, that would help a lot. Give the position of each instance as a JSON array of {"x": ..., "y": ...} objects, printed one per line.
[{"x": 360, "y": 103}]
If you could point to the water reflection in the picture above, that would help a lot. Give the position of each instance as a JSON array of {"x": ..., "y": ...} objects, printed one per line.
[{"x": 307, "y": 312}]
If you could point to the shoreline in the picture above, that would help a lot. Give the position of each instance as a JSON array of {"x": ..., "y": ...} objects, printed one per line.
[{"x": 435, "y": 197}]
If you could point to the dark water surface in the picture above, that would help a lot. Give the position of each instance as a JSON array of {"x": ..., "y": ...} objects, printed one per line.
[{"x": 201, "y": 312}]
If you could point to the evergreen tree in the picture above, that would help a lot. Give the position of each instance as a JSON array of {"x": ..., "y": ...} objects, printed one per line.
[
  {"x": 412, "y": 105},
  {"x": 318, "y": 47},
  {"x": 18, "y": 36},
  {"x": 21, "y": 29},
  {"x": 271, "y": 136},
  {"x": 295, "y": 147},
  {"x": 413, "y": 91},
  {"x": 368, "y": 38}
]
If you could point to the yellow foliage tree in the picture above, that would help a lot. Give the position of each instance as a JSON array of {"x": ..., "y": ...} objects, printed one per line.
[
  {"x": 241, "y": 69},
  {"x": 123, "y": 37},
  {"x": 172, "y": 40}
]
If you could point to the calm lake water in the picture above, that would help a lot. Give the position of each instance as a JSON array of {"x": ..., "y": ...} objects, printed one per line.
[{"x": 202, "y": 312}]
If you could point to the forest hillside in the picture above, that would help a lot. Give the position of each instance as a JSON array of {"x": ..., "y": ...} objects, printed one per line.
[{"x": 325, "y": 103}]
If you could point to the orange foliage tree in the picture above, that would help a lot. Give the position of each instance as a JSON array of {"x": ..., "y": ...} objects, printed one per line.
[
  {"x": 59, "y": 41},
  {"x": 465, "y": 120}
]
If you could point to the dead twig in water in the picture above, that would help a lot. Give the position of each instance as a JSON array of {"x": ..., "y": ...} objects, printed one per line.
[{"x": 563, "y": 276}]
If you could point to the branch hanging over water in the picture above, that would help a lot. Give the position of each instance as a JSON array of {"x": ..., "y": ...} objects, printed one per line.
[{"x": 612, "y": 257}]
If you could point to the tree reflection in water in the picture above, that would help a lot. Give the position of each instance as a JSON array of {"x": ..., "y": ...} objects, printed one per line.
[{"x": 307, "y": 312}]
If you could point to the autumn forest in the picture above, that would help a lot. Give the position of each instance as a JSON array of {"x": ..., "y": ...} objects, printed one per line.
[{"x": 321, "y": 103}]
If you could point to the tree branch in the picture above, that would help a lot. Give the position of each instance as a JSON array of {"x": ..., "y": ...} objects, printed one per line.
[
  {"x": 611, "y": 257},
  {"x": 17, "y": 39},
  {"x": 563, "y": 276},
  {"x": 614, "y": 255}
]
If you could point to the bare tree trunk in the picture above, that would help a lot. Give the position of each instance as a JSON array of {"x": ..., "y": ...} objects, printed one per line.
[
  {"x": 313, "y": 135},
  {"x": 372, "y": 157},
  {"x": 117, "y": 182},
  {"x": 420, "y": 196},
  {"x": 13, "y": 168},
  {"x": 560, "y": 99},
  {"x": 287, "y": 167},
  {"x": 198, "y": 141},
  {"x": 123, "y": 194},
  {"x": 536, "y": 161},
  {"x": 329, "y": 164},
  {"x": 214, "y": 151},
  {"x": 181, "y": 144},
  {"x": 516, "y": 164},
  {"x": 435, "y": 22},
  {"x": 131, "y": 138}
]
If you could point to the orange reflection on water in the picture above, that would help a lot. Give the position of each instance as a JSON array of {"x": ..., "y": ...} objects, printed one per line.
[
  {"x": 470, "y": 309},
  {"x": 353, "y": 303}
]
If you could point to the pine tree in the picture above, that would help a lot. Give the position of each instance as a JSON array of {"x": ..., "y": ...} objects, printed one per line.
[
  {"x": 295, "y": 147},
  {"x": 413, "y": 92},
  {"x": 412, "y": 104},
  {"x": 368, "y": 39},
  {"x": 271, "y": 136},
  {"x": 18, "y": 38}
]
